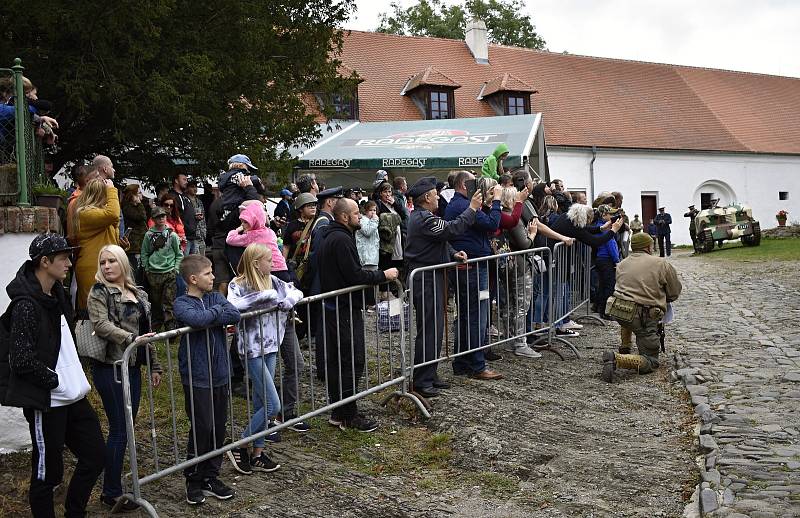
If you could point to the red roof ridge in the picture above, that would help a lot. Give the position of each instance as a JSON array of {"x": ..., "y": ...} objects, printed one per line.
[
  {"x": 639, "y": 61},
  {"x": 585, "y": 56}
]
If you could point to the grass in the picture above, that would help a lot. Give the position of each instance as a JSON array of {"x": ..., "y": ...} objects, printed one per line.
[{"x": 770, "y": 249}]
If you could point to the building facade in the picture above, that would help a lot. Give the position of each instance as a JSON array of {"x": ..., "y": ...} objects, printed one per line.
[{"x": 663, "y": 135}]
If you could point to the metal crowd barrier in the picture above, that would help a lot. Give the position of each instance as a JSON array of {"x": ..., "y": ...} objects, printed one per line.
[
  {"x": 522, "y": 295},
  {"x": 308, "y": 380},
  {"x": 571, "y": 286}
]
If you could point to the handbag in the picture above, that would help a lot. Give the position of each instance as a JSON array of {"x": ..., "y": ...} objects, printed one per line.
[
  {"x": 300, "y": 266},
  {"x": 88, "y": 344}
]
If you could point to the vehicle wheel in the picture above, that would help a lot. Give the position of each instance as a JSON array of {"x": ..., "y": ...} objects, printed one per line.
[
  {"x": 706, "y": 244},
  {"x": 753, "y": 239}
]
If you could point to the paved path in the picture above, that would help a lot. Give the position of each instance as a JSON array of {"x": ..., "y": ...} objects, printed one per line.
[{"x": 740, "y": 348}]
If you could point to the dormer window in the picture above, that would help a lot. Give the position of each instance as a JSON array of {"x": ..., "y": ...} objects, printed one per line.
[
  {"x": 344, "y": 106},
  {"x": 440, "y": 104},
  {"x": 433, "y": 93},
  {"x": 517, "y": 103},
  {"x": 507, "y": 95}
]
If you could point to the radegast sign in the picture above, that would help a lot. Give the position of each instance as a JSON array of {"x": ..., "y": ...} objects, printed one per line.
[
  {"x": 337, "y": 163},
  {"x": 404, "y": 162},
  {"x": 428, "y": 139}
]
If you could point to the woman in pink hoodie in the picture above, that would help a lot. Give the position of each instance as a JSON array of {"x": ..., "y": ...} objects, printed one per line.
[{"x": 254, "y": 229}]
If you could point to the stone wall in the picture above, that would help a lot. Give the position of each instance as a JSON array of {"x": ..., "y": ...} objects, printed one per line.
[{"x": 16, "y": 220}]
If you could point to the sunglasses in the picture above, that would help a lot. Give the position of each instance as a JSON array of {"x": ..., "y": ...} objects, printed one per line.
[{"x": 168, "y": 205}]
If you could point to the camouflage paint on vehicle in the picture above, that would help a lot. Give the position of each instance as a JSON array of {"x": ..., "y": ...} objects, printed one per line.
[{"x": 720, "y": 224}]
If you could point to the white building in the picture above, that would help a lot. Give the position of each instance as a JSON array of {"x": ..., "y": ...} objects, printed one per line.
[{"x": 663, "y": 135}]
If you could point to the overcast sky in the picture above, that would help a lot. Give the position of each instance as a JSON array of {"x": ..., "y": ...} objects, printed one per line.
[{"x": 753, "y": 36}]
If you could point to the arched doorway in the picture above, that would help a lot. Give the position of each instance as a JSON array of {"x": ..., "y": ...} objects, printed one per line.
[{"x": 713, "y": 190}]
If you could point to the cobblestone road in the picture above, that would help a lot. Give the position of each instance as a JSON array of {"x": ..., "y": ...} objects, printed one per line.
[{"x": 740, "y": 352}]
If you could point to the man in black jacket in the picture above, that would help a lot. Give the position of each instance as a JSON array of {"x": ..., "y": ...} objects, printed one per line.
[
  {"x": 179, "y": 184},
  {"x": 41, "y": 373},
  {"x": 340, "y": 267}
]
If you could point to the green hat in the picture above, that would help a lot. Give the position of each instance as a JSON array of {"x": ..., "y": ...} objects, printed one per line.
[{"x": 641, "y": 241}]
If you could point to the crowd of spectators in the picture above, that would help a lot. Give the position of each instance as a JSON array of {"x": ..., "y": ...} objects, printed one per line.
[{"x": 142, "y": 265}]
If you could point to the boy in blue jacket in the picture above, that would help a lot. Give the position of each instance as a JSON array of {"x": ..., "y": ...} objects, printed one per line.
[{"x": 205, "y": 385}]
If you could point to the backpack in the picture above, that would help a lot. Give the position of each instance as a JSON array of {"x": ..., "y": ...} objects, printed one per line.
[{"x": 159, "y": 240}]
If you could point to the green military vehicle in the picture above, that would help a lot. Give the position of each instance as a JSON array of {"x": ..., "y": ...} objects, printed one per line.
[{"x": 720, "y": 224}]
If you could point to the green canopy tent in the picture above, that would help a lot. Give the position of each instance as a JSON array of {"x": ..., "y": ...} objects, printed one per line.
[{"x": 413, "y": 149}]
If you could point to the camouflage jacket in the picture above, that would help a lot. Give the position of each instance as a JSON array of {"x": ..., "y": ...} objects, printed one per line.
[{"x": 647, "y": 280}]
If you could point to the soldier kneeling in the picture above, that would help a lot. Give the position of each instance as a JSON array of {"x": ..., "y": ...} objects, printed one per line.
[{"x": 645, "y": 284}]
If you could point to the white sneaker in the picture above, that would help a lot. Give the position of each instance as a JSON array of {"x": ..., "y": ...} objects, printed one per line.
[
  {"x": 493, "y": 331},
  {"x": 527, "y": 352},
  {"x": 572, "y": 325}
]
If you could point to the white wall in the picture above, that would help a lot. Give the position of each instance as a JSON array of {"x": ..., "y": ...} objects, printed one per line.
[
  {"x": 15, "y": 252},
  {"x": 14, "y": 433},
  {"x": 676, "y": 178}
]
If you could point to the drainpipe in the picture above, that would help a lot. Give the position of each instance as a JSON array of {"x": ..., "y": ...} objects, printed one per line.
[{"x": 591, "y": 173}]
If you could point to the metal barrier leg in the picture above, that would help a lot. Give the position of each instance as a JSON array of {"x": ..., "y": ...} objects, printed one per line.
[{"x": 419, "y": 402}]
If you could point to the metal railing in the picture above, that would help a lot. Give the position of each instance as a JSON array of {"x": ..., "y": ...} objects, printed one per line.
[
  {"x": 353, "y": 353},
  {"x": 18, "y": 155},
  {"x": 334, "y": 326}
]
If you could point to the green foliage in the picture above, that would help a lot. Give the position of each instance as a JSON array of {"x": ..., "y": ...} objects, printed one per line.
[
  {"x": 769, "y": 250},
  {"x": 504, "y": 19},
  {"x": 149, "y": 81}
]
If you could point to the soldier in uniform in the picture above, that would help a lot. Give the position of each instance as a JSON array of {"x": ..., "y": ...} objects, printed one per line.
[
  {"x": 645, "y": 284},
  {"x": 692, "y": 227},
  {"x": 428, "y": 236}
]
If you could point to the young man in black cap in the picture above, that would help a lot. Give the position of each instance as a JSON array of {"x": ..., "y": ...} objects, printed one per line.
[
  {"x": 428, "y": 245},
  {"x": 41, "y": 373}
]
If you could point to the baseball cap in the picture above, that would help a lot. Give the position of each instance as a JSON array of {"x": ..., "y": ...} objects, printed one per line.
[
  {"x": 244, "y": 159},
  {"x": 49, "y": 244},
  {"x": 158, "y": 211},
  {"x": 286, "y": 192}
]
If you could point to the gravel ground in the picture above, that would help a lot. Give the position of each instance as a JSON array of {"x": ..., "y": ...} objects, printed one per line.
[{"x": 551, "y": 439}]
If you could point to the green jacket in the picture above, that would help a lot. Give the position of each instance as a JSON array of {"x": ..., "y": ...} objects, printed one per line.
[
  {"x": 167, "y": 258},
  {"x": 489, "y": 168}
]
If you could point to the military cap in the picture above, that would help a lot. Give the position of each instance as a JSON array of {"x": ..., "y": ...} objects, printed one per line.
[
  {"x": 158, "y": 211},
  {"x": 422, "y": 186},
  {"x": 333, "y": 192},
  {"x": 304, "y": 199},
  {"x": 641, "y": 241},
  {"x": 691, "y": 206}
]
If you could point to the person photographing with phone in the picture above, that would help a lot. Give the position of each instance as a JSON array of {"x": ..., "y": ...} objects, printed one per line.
[{"x": 472, "y": 280}]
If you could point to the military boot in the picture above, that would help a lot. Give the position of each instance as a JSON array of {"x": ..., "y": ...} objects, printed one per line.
[
  {"x": 629, "y": 361},
  {"x": 609, "y": 364},
  {"x": 626, "y": 335}
]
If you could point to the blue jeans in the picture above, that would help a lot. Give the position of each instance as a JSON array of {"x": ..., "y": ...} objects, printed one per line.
[
  {"x": 111, "y": 394},
  {"x": 472, "y": 321},
  {"x": 192, "y": 247},
  {"x": 266, "y": 403}
]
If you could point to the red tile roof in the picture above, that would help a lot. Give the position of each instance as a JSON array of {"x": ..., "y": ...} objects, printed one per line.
[
  {"x": 587, "y": 100},
  {"x": 506, "y": 83},
  {"x": 429, "y": 76}
]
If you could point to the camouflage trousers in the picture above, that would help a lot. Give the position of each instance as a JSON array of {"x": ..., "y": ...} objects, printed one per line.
[
  {"x": 163, "y": 291},
  {"x": 648, "y": 342},
  {"x": 517, "y": 282}
]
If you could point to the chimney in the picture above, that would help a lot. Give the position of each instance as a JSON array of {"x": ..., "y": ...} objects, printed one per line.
[{"x": 477, "y": 40}]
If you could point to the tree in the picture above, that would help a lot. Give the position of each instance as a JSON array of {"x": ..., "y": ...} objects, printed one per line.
[
  {"x": 150, "y": 81},
  {"x": 504, "y": 20}
]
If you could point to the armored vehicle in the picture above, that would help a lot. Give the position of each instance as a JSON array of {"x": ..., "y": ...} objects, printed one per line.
[{"x": 720, "y": 224}]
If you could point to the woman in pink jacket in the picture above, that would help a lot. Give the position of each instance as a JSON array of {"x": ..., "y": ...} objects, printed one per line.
[{"x": 254, "y": 229}]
